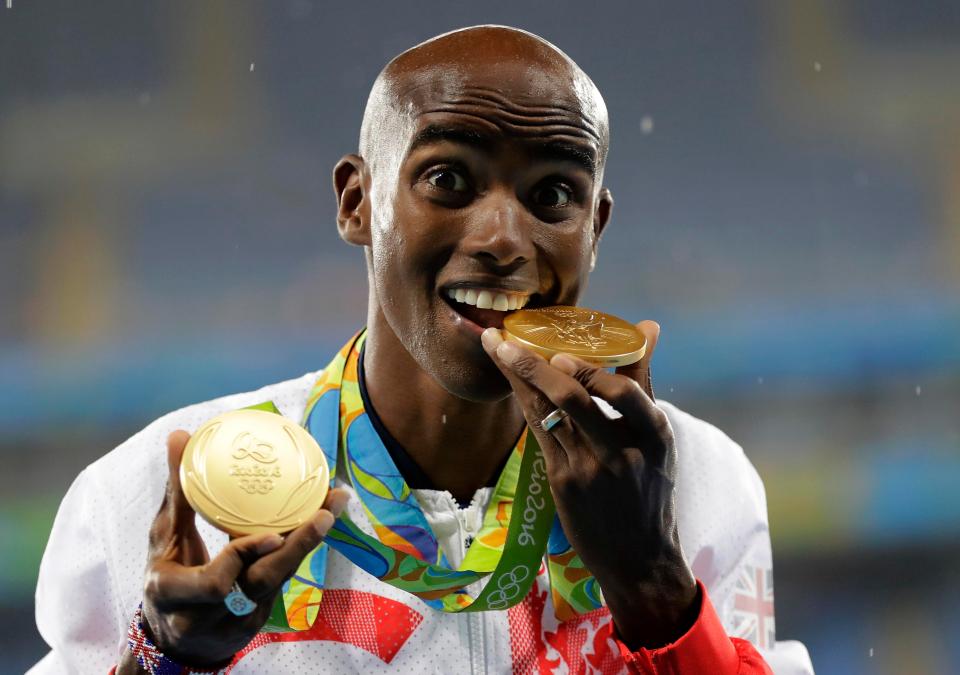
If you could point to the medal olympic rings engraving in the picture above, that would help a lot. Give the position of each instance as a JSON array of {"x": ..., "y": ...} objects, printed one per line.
[
  {"x": 237, "y": 601},
  {"x": 253, "y": 471}
]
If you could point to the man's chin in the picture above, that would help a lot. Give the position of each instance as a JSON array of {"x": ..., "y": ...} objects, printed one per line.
[{"x": 479, "y": 384}]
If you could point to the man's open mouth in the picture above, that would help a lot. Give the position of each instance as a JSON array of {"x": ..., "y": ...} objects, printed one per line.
[{"x": 486, "y": 307}]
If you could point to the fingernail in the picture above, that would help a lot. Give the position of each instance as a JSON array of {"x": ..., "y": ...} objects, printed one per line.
[
  {"x": 508, "y": 352},
  {"x": 271, "y": 543},
  {"x": 322, "y": 523},
  {"x": 339, "y": 505},
  {"x": 491, "y": 338},
  {"x": 564, "y": 363}
]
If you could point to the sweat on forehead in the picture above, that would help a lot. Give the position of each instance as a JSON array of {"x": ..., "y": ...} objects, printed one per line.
[{"x": 495, "y": 67}]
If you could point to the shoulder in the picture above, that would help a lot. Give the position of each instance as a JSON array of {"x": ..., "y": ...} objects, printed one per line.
[
  {"x": 693, "y": 429},
  {"x": 707, "y": 454},
  {"x": 139, "y": 464},
  {"x": 721, "y": 503}
]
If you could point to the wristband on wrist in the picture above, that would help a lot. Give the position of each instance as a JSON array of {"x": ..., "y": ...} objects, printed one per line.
[{"x": 152, "y": 659}]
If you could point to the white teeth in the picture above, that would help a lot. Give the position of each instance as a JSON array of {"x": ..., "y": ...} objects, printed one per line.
[{"x": 484, "y": 300}]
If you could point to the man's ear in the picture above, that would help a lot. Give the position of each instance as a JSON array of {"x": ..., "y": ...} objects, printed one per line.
[
  {"x": 600, "y": 219},
  {"x": 353, "y": 203}
]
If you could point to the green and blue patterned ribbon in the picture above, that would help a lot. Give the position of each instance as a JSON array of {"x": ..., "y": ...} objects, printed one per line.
[{"x": 519, "y": 523}]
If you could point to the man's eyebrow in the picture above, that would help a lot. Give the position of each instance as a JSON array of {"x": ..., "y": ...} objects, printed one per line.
[
  {"x": 437, "y": 133},
  {"x": 558, "y": 150},
  {"x": 569, "y": 152}
]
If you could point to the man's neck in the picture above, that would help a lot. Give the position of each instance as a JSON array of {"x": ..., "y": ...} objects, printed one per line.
[{"x": 458, "y": 444}]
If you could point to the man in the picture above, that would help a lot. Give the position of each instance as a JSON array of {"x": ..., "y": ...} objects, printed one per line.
[{"x": 477, "y": 189}]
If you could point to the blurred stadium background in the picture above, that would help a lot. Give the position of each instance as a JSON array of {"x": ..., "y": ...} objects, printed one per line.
[{"x": 787, "y": 184}]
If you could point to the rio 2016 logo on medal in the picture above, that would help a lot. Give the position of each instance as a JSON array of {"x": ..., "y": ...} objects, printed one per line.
[{"x": 252, "y": 471}]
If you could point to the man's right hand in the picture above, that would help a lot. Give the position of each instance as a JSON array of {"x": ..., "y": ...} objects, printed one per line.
[{"x": 183, "y": 610}]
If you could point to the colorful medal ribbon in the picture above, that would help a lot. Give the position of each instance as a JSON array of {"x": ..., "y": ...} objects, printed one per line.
[{"x": 404, "y": 553}]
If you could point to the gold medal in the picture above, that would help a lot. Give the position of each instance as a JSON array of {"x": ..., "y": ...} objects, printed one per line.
[
  {"x": 601, "y": 339},
  {"x": 252, "y": 471}
]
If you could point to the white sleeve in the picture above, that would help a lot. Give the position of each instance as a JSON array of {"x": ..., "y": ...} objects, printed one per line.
[
  {"x": 724, "y": 530},
  {"x": 752, "y": 587},
  {"x": 75, "y": 608},
  {"x": 91, "y": 575}
]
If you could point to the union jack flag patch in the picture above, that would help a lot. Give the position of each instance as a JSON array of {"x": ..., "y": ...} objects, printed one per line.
[{"x": 753, "y": 606}]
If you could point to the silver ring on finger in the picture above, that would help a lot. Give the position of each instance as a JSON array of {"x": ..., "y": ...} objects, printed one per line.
[
  {"x": 237, "y": 601},
  {"x": 553, "y": 419}
]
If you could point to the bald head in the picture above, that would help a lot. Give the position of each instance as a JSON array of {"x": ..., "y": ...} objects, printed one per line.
[{"x": 507, "y": 77}]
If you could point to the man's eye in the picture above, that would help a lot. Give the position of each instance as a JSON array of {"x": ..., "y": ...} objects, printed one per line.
[
  {"x": 446, "y": 179},
  {"x": 553, "y": 195}
]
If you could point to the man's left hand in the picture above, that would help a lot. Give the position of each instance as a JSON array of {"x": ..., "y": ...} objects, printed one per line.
[{"x": 612, "y": 480}]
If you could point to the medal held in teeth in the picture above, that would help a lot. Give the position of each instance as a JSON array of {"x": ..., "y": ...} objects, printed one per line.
[
  {"x": 598, "y": 338},
  {"x": 252, "y": 471}
]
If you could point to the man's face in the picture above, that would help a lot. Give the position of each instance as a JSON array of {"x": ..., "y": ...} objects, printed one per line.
[{"x": 494, "y": 204}]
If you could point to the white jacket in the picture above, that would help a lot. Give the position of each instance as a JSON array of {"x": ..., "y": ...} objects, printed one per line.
[{"x": 91, "y": 576}]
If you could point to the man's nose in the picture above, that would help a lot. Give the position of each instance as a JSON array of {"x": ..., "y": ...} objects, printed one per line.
[{"x": 500, "y": 233}]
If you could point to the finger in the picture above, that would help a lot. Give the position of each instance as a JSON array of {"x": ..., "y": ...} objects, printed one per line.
[
  {"x": 561, "y": 390},
  {"x": 176, "y": 501},
  {"x": 265, "y": 576},
  {"x": 169, "y": 583},
  {"x": 173, "y": 533},
  {"x": 623, "y": 393},
  {"x": 516, "y": 363},
  {"x": 336, "y": 501},
  {"x": 640, "y": 371},
  {"x": 534, "y": 405}
]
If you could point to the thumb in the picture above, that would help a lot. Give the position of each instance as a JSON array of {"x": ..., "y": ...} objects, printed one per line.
[
  {"x": 640, "y": 371},
  {"x": 173, "y": 534},
  {"x": 178, "y": 508}
]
